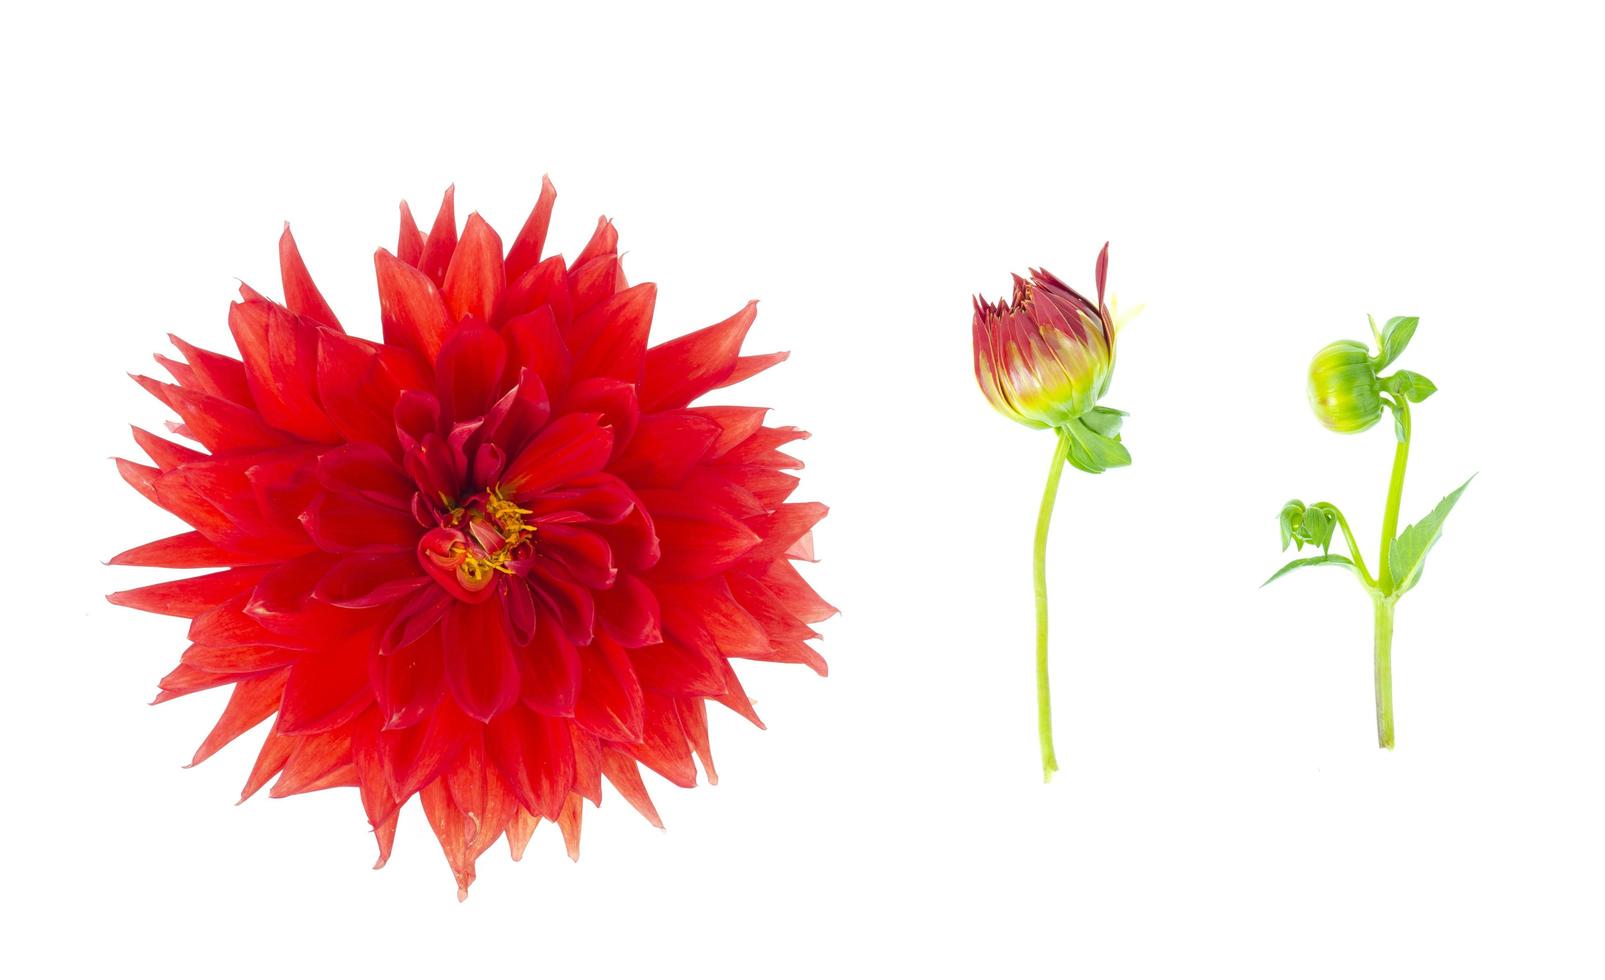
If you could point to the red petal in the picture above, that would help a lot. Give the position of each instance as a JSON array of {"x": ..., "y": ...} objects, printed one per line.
[
  {"x": 216, "y": 424},
  {"x": 469, "y": 372},
  {"x": 327, "y": 687},
  {"x": 216, "y": 374},
  {"x": 526, "y": 249},
  {"x": 535, "y": 754},
  {"x": 609, "y": 340},
  {"x": 546, "y": 285},
  {"x": 410, "y": 682},
  {"x": 694, "y": 722},
  {"x": 410, "y": 308},
  {"x": 316, "y": 762},
  {"x": 594, "y": 281},
  {"x": 663, "y": 748},
  {"x": 414, "y": 757},
  {"x": 410, "y": 242},
  {"x": 664, "y": 447},
  {"x": 1102, "y": 270},
  {"x": 785, "y": 527},
  {"x": 364, "y": 581},
  {"x": 481, "y": 671},
  {"x": 746, "y": 367},
  {"x": 629, "y": 613},
  {"x": 784, "y": 581},
  {"x": 442, "y": 240},
  {"x": 626, "y": 778},
  {"x": 188, "y": 550},
  {"x": 452, "y": 829},
  {"x": 253, "y": 700},
  {"x": 238, "y": 660},
  {"x": 535, "y": 343},
  {"x": 693, "y": 610},
  {"x": 610, "y": 701},
  {"x": 697, "y": 540},
  {"x": 227, "y": 625},
  {"x": 281, "y": 366},
  {"x": 688, "y": 366},
  {"x": 604, "y": 242},
  {"x": 569, "y": 447},
  {"x": 340, "y": 523},
  {"x": 680, "y": 668},
  {"x": 365, "y": 471},
  {"x": 549, "y": 668},
  {"x": 191, "y": 596},
  {"x": 474, "y": 278},
  {"x": 300, "y": 294},
  {"x": 165, "y": 453},
  {"x": 736, "y": 424},
  {"x": 356, "y": 390}
]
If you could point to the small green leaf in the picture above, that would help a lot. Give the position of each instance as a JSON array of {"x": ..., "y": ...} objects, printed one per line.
[
  {"x": 1093, "y": 451},
  {"x": 1105, "y": 421},
  {"x": 1317, "y": 528},
  {"x": 1310, "y": 563},
  {"x": 1290, "y": 520},
  {"x": 1409, "y": 384},
  {"x": 1396, "y": 334},
  {"x": 1409, "y": 552}
]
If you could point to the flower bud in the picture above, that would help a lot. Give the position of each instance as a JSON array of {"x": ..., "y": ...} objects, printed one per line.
[
  {"x": 1045, "y": 358},
  {"x": 1344, "y": 391}
]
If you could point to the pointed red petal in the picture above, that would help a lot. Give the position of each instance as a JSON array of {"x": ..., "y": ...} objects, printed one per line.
[
  {"x": 683, "y": 368},
  {"x": 442, "y": 240},
  {"x": 410, "y": 307},
  {"x": 526, "y": 250},
  {"x": 300, "y": 293},
  {"x": 475, "y": 278}
]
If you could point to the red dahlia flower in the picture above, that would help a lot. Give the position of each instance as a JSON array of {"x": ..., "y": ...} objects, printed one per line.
[{"x": 488, "y": 561}]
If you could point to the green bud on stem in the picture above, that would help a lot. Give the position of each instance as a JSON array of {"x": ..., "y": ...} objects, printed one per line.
[{"x": 1344, "y": 391}]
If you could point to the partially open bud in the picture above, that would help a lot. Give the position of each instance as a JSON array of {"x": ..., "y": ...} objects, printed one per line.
[
  {"x": 1046, "y": 357},
  {"x": 1344, "y": 391}
]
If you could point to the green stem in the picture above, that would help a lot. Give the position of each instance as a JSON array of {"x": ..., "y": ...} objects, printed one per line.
[
  {"x": 1384, "y": 670},
  {"x": 1390, "y": 514},
  {"x": 1354, "y": 546},
  {"x": 1039, "y": 578},
  {"x": 1383, "y": 666}
]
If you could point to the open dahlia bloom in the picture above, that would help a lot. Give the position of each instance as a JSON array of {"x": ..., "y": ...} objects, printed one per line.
[{"x": 486, "y": 562}]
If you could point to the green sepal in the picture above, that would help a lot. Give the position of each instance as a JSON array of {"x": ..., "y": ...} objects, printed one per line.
[
  {"x": 1090, "y": 450},
  {"x": 1408, "y": 554},
  {"x": 1410, "y": 385},
  {"x": 1309, "y": 563},
  {"x": 1105, "y": 421},
  {"x": 1395, "y": 337}
]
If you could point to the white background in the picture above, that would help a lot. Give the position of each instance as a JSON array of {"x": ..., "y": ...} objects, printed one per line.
[{"x": 1267, "y": 177}]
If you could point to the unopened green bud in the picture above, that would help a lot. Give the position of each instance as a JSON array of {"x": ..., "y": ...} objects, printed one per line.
[{"x": 1344, "y": 391}]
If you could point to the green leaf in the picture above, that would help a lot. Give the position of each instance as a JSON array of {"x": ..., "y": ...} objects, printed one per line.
[
  {"x": 1093, "y": 451},
  {"x": 1409, "y": 552},
  {"x": 1310, "y": 563},
  {"x": 1396, "y": 334},
  {"x": 1409, "y": 384},
  {"x": 1105, "y": 421}
]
